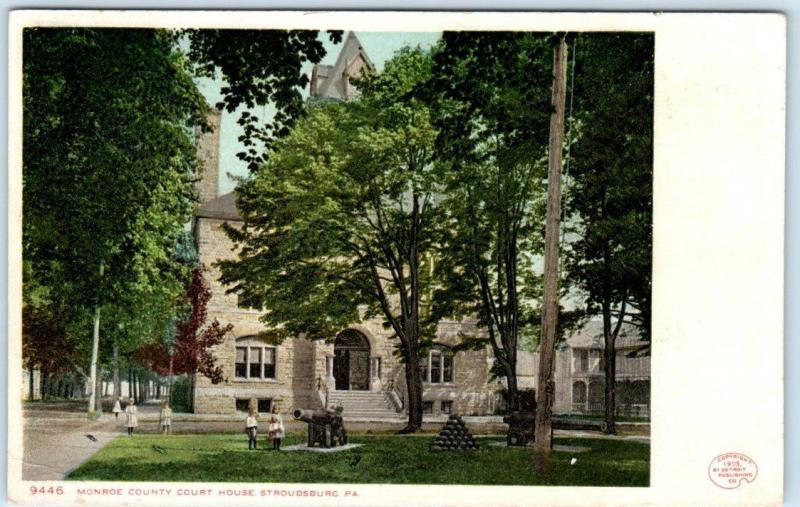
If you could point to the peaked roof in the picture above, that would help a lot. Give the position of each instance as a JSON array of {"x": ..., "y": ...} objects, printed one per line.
[
  {"x": 223, "y": 207},
  {"x": 590, "y": 336},
  {"x": 351, "y": 49}
]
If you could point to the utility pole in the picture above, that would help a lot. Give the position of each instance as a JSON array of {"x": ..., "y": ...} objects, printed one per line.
[{"x": 545, "y": 388}]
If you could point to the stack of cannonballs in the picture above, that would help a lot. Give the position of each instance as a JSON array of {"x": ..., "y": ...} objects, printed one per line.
[{"x": 454, "y": 436}]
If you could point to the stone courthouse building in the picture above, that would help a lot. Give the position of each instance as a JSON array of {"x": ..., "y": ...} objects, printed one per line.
[{"x": 357, "y": 368}]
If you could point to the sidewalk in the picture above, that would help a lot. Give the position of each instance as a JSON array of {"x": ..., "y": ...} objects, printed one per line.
[
  {"x": 55, "y": 446},
  {"x": 55, "y": 438}
]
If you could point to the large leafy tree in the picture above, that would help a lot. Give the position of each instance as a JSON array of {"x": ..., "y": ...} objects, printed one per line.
[
  {"x": 258, "y": 67},
  {"x": 337, "y": 221},
  {"x": 610, "y": 188},
  {"x": 108, "y": 163},
  {"x": 492, "y": 92},
  {"x": 189, "y": 350}
]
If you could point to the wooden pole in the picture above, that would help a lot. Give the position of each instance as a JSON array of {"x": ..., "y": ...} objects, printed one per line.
[{"x": 545, "y": 387}]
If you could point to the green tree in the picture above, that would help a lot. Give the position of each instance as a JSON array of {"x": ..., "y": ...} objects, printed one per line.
[
  {"x": 258, "y": 67},
  {"x": 492, "y": 89},
  {"x": 108, "y": 164},
  {"x": 337, "y": 221},
  {"x": 610, "y": 188}
]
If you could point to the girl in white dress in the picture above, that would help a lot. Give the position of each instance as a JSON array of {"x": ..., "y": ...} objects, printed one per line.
[
  {"x": 132, "y": 417},
  {"x": 276, "y": 429},
  {"x": 117, "y": 407},
  {"x": 165, "y": 417}
]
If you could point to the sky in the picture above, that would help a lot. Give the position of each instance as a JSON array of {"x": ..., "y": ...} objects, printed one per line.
[{"x": 379, "y": 46}]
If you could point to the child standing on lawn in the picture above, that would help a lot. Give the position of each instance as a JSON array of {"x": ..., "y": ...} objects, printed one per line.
[
  {"x": 251, "y": 428},
  {"x": 117, "y": 407},
  {"x": 132, "y": 417},
  {"x": 276, "y": 428},
  {"x": 165, "y": 417}
]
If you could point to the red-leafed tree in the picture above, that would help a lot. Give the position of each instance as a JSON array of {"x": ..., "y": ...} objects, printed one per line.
[{"x": 190, "y": 352}]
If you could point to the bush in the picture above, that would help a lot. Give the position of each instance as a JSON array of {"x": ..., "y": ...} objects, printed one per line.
[{"x": 181, "y": 394}]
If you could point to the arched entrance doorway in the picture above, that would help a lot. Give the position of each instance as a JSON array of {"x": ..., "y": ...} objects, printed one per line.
[{"x": 351, "y": 361}]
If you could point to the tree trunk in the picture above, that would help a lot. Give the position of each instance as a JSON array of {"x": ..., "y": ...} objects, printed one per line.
[
  {"x": 169, "y": 380},
  {"x": 98, "y": 389},
  {"x": 611, "y": 382},
  {"x": 411, "y": 327},
  {"x": 130, "y": 383},
  {"x": 513, "y": 391},
  {"x": 117, "y": 381},
  {"x": 30, "y": 383},
  {"x": 136, "y": 387},
  {"x": 610, "y": 354},
  {"x": 95, "y": 349},
  {"x": 545, "y": 387},
  {"x": 414, "y": 387},
  {"x": 94, "y": 394}
]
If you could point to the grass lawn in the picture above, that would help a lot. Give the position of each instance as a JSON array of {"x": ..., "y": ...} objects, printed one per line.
[{"x": 382, "y": 459}]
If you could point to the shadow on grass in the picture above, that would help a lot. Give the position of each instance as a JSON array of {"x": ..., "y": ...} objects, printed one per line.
[{"x": 389, "y": 460}]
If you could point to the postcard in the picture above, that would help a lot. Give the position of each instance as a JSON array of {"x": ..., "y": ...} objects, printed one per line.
[{"x": 395, "y": 258}]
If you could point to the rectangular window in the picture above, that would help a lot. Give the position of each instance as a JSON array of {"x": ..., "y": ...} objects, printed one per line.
[
  {"x": 255, "y": 362},
  {"x": 264, "y": 406},
  {"x": 436, "y": 367},
  {"x": 447, "y": 407},
  {"x": 447, "y": 369},
  {"x": 241, "y": 362},
  {"x": 242, "y": 405},
  {"x": 427, "y": 407},
  {"x": 423, "y": 369},
  {"x": 269, "y": 362}
]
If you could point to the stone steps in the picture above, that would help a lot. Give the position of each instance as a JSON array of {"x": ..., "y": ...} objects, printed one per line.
[{"x": 366, "y": 404}]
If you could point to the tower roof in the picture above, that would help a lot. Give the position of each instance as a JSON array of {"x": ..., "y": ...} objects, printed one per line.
[{"x": 331, "y": 80}]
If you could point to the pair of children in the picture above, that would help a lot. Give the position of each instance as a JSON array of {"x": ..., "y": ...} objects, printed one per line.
[
  {"x": 275, "y": 428},
  {"x": 132, "y": 415}
]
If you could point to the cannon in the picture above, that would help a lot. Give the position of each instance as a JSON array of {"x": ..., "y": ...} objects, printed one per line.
[{"x": 325, "y": 427}]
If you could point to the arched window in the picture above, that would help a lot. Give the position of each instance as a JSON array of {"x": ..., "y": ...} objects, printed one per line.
[
  {"x": 437, "y": 366},
  {"x": 255, "y": 359},
  {"x": 579, "y": 392}
]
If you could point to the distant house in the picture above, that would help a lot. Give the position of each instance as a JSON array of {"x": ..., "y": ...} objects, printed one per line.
[{"x": 580, "y": 372}]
